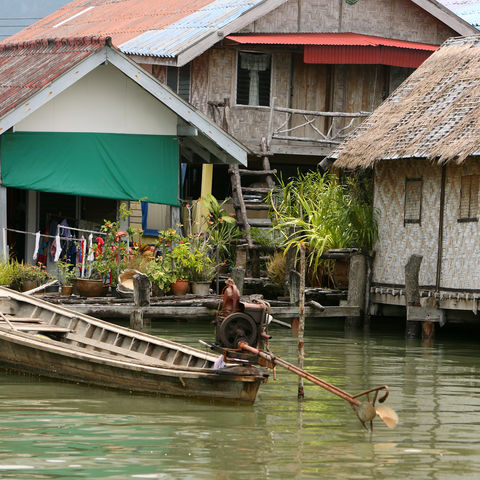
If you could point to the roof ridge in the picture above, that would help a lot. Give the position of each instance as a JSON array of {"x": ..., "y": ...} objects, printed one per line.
[{"x": 86, "y": 41}]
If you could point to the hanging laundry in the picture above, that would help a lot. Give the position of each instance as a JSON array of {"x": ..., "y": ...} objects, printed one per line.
[{"x": 37, "y": 244}]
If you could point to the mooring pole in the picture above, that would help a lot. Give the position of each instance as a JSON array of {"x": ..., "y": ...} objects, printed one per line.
[{"x": 301, "y": 323}]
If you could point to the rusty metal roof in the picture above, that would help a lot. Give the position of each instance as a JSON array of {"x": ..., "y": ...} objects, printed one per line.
[
  {"x": 140, "y": 27},
  {"x": 27, "y": 67}
]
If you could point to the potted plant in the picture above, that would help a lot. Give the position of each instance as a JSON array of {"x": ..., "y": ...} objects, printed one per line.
[
  {"x": 27, "y": 276},
  {"x": 65, "y": 276},
  {"x": 201, "y": 272}
]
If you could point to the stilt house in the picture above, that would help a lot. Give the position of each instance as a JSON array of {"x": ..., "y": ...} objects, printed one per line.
[
  {"x": 423, "y": 144},
  {"x": 287, "y": 78}
]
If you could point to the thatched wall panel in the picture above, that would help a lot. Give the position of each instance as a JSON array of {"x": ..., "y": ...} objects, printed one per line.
[
  {"x": 461, "y": 245},
  {"x": 395, "y": 19},
  {"x": 397, "y": 241},
  {"x": 199, "y": 82}
]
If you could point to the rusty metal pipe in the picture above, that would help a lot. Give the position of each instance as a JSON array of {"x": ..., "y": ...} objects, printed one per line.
[{"x": 308, "y": 376}]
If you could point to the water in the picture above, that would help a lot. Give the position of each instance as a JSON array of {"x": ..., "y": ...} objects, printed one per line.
[{"x": 54, "y": 430}]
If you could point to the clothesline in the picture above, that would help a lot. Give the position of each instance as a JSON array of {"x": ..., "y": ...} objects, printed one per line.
[
  {"x": 59, "y": 226},
  {"x": 45, "y": 235}
]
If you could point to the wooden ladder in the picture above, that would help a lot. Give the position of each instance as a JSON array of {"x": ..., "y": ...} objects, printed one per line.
[{"x": 248, "y": 199}]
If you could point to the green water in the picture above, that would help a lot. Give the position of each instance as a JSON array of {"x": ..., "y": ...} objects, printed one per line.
[{"x": 54, "y": 430}]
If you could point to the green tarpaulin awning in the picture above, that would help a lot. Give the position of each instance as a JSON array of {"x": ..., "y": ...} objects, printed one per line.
[{"x": 106, "y": 165}]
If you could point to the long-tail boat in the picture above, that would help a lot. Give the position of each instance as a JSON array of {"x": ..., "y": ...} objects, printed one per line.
[{"x": 45, "y": 339}]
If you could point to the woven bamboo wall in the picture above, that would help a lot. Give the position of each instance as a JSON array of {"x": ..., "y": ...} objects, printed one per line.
[
  {"x": 461, "y": 245},
  {"x": 397, "y": 241},
  {"x": 392, "y": 18}
]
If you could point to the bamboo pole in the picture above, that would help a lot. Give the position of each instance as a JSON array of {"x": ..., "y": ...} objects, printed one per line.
[{"x": 301, "y": 326}]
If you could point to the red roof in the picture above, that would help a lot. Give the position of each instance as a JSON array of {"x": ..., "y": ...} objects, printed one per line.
[
  {"x": 349, "y": 39},
  {"x": 121, "y": 20},
  {"x": 347, "y": 48},
  {"x": 25, "y": 68}
]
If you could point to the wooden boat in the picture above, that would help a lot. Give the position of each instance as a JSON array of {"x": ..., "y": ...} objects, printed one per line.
[{"x": 45, "y": 339}]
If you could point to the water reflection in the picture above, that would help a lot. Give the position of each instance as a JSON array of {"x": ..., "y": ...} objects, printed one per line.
[{"x": 50, "y": 429}]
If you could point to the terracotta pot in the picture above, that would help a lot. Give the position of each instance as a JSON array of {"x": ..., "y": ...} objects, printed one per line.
[
  {"x": 180, "y": 287},
  {"x": 29, "y": 285},
  {"x": 66, "y": 290},
  {"x": 86, "y": 287},
  {"x": 201, "y": 288}
]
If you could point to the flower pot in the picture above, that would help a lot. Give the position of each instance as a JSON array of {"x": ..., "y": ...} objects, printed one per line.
[
  {"x": 66, "y": 290},
  {"x": 86, "y": 287},
  {"x": 180, "y": 287},
  {"x": 201, "y": 288},
  {"x": 28, "y": 285}
]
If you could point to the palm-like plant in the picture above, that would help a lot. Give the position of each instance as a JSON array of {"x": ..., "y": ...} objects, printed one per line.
[{"x": 322, "y": 213}]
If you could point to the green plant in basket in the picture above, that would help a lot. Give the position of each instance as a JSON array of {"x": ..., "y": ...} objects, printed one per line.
[{"x": 65, "y": 273}]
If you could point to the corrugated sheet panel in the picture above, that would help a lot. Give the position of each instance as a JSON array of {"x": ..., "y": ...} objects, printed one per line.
[
  {"x": 27, "y": 67},
  {"x": 121, "y": 20},
  {"x": 398, "y": 57},
  {"x": 351, "y": 39},
  {"x": 176, "y": 37}
]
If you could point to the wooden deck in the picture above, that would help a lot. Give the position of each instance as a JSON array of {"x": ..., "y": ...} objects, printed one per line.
[{"x": 187, "y": 307}]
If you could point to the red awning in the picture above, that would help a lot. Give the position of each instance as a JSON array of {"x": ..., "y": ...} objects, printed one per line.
[{"x": 347, "y": 48}]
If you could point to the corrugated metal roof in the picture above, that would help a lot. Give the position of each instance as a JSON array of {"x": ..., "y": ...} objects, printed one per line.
[
  {"x": 25, "y": 68},
  {"x": 175, "y": 38},
  {"x": 121, "y": 20},
  {"x": 140, "y": 27},
  {"x": 349, "y": 39},
  {"x": 468, "y": 10}
]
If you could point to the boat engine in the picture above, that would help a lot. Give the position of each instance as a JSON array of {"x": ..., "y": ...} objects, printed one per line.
[{"x": 240, "y": 321}]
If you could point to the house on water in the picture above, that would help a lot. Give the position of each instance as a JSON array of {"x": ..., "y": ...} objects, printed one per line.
[
  {"x": 257, "y": 68},
  {"x": 82, "y": 126},
  {"x": 423, "y": 145}
]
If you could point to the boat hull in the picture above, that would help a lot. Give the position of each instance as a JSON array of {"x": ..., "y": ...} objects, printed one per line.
[{"x": 83, "y": 349}]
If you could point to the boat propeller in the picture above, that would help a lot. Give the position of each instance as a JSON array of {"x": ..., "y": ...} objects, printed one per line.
[{"x": 365, "y": 410}]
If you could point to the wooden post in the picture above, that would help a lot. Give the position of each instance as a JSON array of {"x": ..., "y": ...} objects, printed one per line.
[
  {"x": 141, "y": 297},
  {"x": 301, "y": 325},
  {"x": 294, "y": 284},
  {"x": 238, "y": 276},
  {"x": 412, "y": 292},
  {"x": 357, "y": 280}
]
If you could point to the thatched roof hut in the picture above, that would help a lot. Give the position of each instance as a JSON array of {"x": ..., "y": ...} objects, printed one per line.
[{"x": 433, "y": 115}]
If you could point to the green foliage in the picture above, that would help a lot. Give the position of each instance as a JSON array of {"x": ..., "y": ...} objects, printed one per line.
[
  {"x": 7, "y": 272},
  {"x": 65, "y": 273},
  {"x": 222, "y": 230},
  {"x": 323, "y": 213},
  {"x": 266, "y": 237},
  {"x": 276, "y": 267}
]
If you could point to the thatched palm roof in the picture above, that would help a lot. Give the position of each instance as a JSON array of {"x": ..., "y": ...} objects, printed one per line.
[{"x": 434, "y": 114}]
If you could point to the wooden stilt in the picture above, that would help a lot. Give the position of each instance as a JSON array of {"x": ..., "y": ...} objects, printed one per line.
[
  {"x": 412, "y": 293},
  {"x": 301, "y": 323}
]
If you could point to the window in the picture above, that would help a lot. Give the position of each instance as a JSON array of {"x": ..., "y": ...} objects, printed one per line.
[
  {"x": 413, "y": 200},
  {"x": 469, "y": 199},
  {"x": 253, "y": 79},
  {"x": 178, "y": 79},
  {"x": 155, "y": 217}
]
